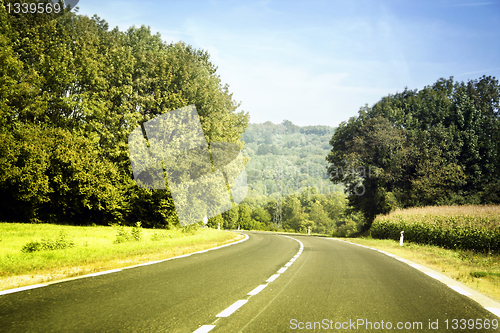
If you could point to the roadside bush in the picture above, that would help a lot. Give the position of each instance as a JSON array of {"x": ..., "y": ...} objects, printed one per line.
[
  {"x": 123, "y": 235},
  {"x": 48, "y": 244},
  {"x": 191, "y": 228},
  {"x": 136, "y": 232}
]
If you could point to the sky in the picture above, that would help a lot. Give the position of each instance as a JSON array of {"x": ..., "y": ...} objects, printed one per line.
[{"x": 317, "y": 62}]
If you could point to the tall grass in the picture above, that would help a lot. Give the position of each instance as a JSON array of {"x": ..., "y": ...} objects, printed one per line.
[{"x": 454, "y": 227}]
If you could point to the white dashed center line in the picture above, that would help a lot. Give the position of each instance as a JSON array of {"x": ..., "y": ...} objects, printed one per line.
[
  {"x": 272, "y": 278},
  {"x": 230, "y": 310},
  {"x": 257, "y": 290},
  {"x": 204, "y": 329}
]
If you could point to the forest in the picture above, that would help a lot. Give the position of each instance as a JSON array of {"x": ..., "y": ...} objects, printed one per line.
[{"x": 71, "y": 92}]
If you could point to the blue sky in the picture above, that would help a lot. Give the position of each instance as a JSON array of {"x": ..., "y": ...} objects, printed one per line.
[{"x": 318, "y": 62}]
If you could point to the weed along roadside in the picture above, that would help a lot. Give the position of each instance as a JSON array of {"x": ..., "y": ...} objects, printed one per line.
[{"x": 38, "y": 253}]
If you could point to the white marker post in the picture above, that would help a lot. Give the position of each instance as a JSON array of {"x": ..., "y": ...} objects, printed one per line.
[
  {"x": 308, "y": 230},
  {"x": 218, "y": 226},
  {"x": 205, "y": 221},
  {"x": 401, "y": 239}
]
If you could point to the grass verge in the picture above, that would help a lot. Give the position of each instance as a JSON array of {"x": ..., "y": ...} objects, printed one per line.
[
  {"x": 91, "y": 249},
  {"x": 478, "y": 271}
]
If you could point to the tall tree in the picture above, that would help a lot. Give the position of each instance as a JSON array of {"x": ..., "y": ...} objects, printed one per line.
[{"x": 438, "y": 145}]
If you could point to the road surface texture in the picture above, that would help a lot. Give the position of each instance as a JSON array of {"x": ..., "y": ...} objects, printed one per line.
[{"x": 269, "y": 283}]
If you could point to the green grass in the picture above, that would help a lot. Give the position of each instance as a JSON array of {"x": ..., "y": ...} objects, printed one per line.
[
  {"x": 95, "y": 249},
  {"x": 479, "y": 271}
]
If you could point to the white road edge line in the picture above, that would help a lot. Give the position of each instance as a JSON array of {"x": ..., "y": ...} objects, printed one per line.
[
  {"x": 434, "y": 276},
  {"x": 476, "y": 296},
  {"x": 15, "y": 290},
  {"x": 230, "y": 310},
  {"x": 495, "y": 311},
  {"x": 460, "y": 290},
  {"x": 104, "y": 272}
]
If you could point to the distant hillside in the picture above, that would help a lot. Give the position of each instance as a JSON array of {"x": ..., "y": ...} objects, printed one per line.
[{"x": 286, "y": 158}]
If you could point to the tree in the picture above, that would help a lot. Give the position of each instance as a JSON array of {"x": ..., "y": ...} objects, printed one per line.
[
  {"x": 259, "y": 214},
  {"x": 53, "y": 176},
  {"x": 244, "y": 216},
  {"x": 231, "y": 218},
  {"x": 438, "y": 145},
  {"x": 320, "y": 218}
]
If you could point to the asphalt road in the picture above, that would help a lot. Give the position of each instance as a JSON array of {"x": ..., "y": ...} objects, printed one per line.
[{"x": 338, "y": 286}]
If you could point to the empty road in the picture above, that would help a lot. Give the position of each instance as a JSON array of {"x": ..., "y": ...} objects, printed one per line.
[{"x": 269, "y": 283}]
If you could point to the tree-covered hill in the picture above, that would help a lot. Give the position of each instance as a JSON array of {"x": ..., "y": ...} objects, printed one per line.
[
  {"x": 288, "y": 182},
  {"x": 286, "y": 158}
]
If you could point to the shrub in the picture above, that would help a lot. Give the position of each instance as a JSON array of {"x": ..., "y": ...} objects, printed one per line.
[
  {"x": 48, "y": 244},
  {"x": 191, "y": 228},
  {"x": 123, "y": 235},
  {"x": 136, "y": 232}
]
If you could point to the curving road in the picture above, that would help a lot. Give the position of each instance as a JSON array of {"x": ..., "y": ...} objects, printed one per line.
[{"x": 269, "y": 283}]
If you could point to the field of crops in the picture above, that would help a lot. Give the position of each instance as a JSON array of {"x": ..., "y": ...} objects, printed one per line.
[{"x": 454, "y": 227}]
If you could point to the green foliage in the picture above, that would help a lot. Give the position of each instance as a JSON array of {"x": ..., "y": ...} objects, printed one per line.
[
  {"x": 261, "y": 215},
  {"x": 123, "y": 235},
  {"x": 231, "y": 218},
  {"x": 244, "y": 216},
  {"x": 349, "y": 225},
  {"x": 136, "y": 232},
  {"x": 46, "y": 244},
  {"x": 71, "y": 92},
  {"x": 191, "y": 229},
  {"x": 286, "y": 158},
  {"x": 324, "y": 214},
  {"x": 55, "y": 176},
  {"x": 436, "y": 146}
]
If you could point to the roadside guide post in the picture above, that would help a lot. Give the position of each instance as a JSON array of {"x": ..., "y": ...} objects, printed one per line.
[
  {"x": 401, "y": 239},
  {"x": 205, "y": 221}
]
